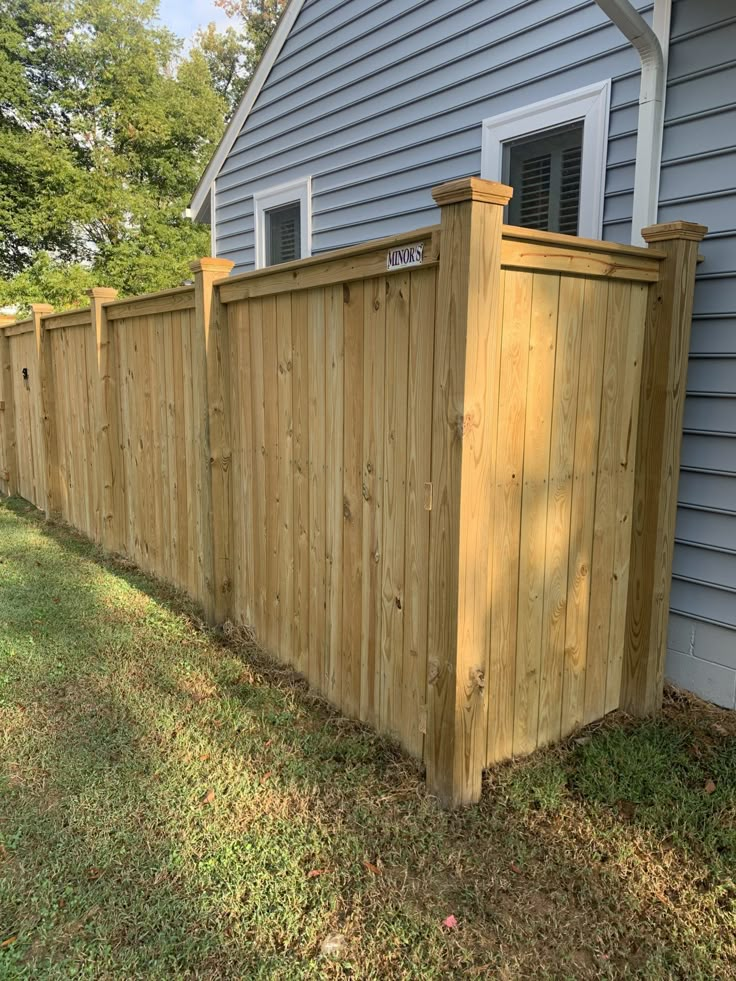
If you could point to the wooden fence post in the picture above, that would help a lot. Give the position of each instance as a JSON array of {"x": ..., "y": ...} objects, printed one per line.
[
  {"x": 467, "y": 350},
  {"x": 661, "y": 407},
  {"x": 110, "y": 484},
  {"x": 48, "y": 411},
  {"x": 7, "y": 407},
  {"x": 211, "y": 385}
]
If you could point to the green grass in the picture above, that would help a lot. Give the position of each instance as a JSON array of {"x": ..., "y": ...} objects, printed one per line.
[{"x": 119, "y": 711}]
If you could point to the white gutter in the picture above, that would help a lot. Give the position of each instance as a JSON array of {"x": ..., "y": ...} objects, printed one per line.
[{"x": 652, "y": 46}]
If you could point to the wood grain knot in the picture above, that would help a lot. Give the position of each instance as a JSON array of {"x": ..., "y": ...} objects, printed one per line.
[{"x": 465, "y": 424}]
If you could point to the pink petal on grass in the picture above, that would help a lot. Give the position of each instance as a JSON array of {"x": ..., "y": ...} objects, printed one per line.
[{"x": 450, "y": 922}]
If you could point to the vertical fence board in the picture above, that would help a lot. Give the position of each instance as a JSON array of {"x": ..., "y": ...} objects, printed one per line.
[
  {"x": 317, "y": 365},
  {"x": 374, "y": 357},
  {"x": 175, "y": 418},
  {"x": 90, "y": 367},
  {"x": 334, "y": 449},
  {"x": 196, "y": 500},
  {"x": 627, "y": 427},
  {"x": 418, "y": 472},
  {"x": 511, "y": 424},
  {"x": 152, "y": 476},
  {"x": 234, "y": 353},
  {"x": 352, "y": 572},
  {"x": 8, "y": 424},
  {"x": 300, "y": 377},
  {"x": 80, "y": 359},
  {"x": 188, "y": 571},
  {"x": 271, "y": 442},
  {"x": 561, "y": 462},
  {"x": 592, "y": 350},
  {"x": 258, "y": 448},
  {"x": 605, "y": 505},
  {"x": 60, "y": 363},
  {"x": 160, "y": 563},
  {"x": 394, "y": 502},
  {"x": 164, "y": 327},
  {"x": 533, "y": 533},
  {"x": 117, "y": 337},
  {"x": 285, "y": 491},
  {"x": 243, "y": 408},
  {"x": 108, "y": 437}
]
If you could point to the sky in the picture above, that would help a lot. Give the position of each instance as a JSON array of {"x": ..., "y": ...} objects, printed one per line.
[{"x": 183, "y": 17}]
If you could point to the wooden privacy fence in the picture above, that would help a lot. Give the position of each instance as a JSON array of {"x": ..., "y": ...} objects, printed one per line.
[{"x": 444, "y": 492}]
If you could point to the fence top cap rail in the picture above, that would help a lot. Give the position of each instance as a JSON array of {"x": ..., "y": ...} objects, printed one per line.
[
  {"x": 667, "y": 231},
  {"x": 472, "y": 189},
  {"x": 71, "y": 312},
  {"x": 176, "y": 291},
  {"x": 558, "y": 240},
  {"x": 375, "y": 245},
  {"x": 77, "y": 317},
  {"x": 17, "y": 327}
]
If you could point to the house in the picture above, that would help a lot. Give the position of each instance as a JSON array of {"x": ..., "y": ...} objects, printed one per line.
[{"x": 359, "y": 107}]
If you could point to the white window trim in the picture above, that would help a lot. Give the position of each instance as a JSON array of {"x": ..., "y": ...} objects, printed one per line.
[
  {"x": 213, "y": 220},
  {"x": 274, "y": 197},
  {"x": 589, "y": 105}
]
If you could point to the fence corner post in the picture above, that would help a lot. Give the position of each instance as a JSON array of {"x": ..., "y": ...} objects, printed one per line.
[
  {"x": 467, "y": 349},
  {"x": 110, "y": 487},
  {"x": 211, "y": 386},
  {"x": 7, "y": 406},
  {"x": 47, "y": 394},
  {"x": 661, "y": 407}
]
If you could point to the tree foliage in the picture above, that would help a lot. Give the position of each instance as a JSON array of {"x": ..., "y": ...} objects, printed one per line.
[
  {"x": 234, "y": 53},
  {"x": 106, "y": 124}
]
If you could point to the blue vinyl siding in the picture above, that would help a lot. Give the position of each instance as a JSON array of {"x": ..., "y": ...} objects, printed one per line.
[
  {"x": 698, "y": 183},
  {"x": 380, "y": 100}
]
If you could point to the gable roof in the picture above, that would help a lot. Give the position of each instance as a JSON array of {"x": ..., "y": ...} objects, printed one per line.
[{"x": 273, "y": 48}]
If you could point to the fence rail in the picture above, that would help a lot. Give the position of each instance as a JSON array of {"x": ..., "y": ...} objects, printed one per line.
[{"x": 444, "y": 492}]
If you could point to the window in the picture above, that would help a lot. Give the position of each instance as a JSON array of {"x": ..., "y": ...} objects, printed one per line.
[
  {"x": 283, "y": 223},
  {"x": 553, "y": 153},
  {"x": 545, "y": 175},
  {"x": 283, "y": 236}
]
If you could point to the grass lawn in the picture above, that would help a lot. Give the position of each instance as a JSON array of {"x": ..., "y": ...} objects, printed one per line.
[{"x": 173, "y": 805}]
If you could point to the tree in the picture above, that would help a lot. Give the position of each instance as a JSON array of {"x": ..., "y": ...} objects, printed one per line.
[
  {"x": 104, "y": 130},
  {"x": 233, "y": 54},
  {"x": 229, "y": 62}
]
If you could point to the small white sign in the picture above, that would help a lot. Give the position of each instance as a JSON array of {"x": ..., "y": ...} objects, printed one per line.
[{"x": 405, "y": 255}]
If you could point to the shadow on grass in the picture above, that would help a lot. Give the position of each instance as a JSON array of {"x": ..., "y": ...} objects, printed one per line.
[{"x": 176, "y": 806}]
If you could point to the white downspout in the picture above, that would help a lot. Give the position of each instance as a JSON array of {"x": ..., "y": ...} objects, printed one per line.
[{"x": 652, "y": 46}]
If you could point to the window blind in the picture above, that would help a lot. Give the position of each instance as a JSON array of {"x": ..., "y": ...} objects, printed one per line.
[
  {"x": 545, "y": 174},
  {"x": 283, "y": 233}
]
